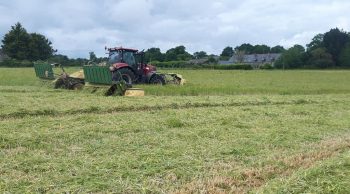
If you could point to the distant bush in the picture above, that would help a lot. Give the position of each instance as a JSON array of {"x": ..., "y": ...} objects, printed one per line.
[
  {"x": 266, "y": 66},
  {"x": 185, "y": 64},
  {"x": 230, "y": 67},
  {"x": 16, "y": 63},
  {"x": 171, "y": 64},
  {"x": 10, "y": 62}
]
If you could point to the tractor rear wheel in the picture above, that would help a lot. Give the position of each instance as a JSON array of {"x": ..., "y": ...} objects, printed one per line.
[
  {"x": 124, "y": 73},
  {"x": 157, "y": 79}
]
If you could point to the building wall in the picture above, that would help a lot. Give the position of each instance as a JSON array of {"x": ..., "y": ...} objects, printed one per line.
[{"x": 254, "y": 59}]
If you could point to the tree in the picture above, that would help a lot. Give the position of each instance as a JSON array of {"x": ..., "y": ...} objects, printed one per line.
[
  {"x": 92, "y": 56},
  {"x": 334, "y": 41},
  {"x": 247, "y": 48},
  {"x": 277, "y": 49},
  {"x": 261, "y": 49},
  {"x": 170, "y": 55},
  {"x": 320, "y": 58},
  {"x": 212, "y": 59},
  {"x": 61, "y": 59},
  {"x": 177, "y": 53},
  {"x": 15, "y": 42},
  {"x": 344, "y": 58},
  {"x": 18, "y": 44},
  {"x": 154, "y": 54},
  {"x": 180, "y": 50},
  {"x": 292, "y": 58},
  {"x": 227, "y": 52},
  {"x": 200, "y": 55},
  {"x": 39, "y": 47},
  {"x": 316, "y": 42}
]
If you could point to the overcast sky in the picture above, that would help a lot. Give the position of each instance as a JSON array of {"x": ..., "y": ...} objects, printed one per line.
[{"x": 78, "y": 26}]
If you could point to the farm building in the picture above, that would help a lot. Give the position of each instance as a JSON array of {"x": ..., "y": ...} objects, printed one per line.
[{"x": 253, "y": 59}]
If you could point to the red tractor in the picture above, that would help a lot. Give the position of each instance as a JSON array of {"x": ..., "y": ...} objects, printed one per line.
[{"x": 128, "y": 64}]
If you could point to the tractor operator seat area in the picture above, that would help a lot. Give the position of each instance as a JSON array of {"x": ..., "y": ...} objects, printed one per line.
[
  {"x": 122, "y": 57},
  {"x": 115, "y": 57},
  {"x": 129, "y": 58}
]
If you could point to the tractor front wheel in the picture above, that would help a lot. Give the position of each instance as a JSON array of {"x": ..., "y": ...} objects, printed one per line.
[
  {"x": 126, "y": 74},
  {"x": 157, "y": 79}
]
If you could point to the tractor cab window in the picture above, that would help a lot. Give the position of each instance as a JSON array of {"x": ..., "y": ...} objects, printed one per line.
[
  {"x": 115, "y": 57},
  {"x": 129, "y": 58}
]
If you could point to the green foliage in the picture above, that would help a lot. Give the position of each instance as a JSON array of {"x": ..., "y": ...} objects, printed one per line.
[
  {"x": 227, "y": 52},
  {"x": 39, "y": 47},
  {"x": 15, "y": 42},
  {"x": 171, "y": 64},
  {"x": 230, "y": 67},
  {"x": 65, "y": 61},
  {"x": 316, "y": 42},
  {"x": 344, "y": 58},
  {"x": 261, "y": 49},
  {"x": 326, "y": 50},
  {"x": 247, "y": 48},
  {"x": 92, "y": 56},
  {"x": 212, "y": 60},
  {"x": 200, "y": 55},
  {"x": 186, "y": 64},
  {"x": 292, "y": 58},
  {"x": 16, "y": 63},
  {"x": 256, "y": 49},
  {"x": 277, "y": 49},
  {"x": 178, "y": 53},
  {"x": 320, "y": 58},
  {"x": 154, "y": 54},
  {"x": 20, "y": 45},
  {"x": 266, "y": 66},
  {"x": 335, "y": 41}
]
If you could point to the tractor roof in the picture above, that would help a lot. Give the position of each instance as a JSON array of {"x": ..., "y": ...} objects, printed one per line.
[{"x": 122, "y": 49}]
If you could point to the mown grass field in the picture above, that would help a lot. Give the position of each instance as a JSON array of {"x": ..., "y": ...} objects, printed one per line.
[{"x": 223, "y": 132}]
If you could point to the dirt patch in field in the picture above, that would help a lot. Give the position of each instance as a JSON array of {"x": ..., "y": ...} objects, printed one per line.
[{"x": 253, "y": 178}]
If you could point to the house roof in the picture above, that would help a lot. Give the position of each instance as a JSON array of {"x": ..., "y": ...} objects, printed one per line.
[{"x": 256, "y": 58}]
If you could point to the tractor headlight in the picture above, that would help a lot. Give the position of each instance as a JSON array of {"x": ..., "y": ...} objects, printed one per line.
[{"x": 111, "y": 68}]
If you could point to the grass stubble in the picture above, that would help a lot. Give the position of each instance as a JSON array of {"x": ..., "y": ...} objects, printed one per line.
[{"x": 226, "y": 136}]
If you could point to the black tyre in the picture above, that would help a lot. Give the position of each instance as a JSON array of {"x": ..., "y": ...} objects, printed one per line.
[
  {"x": 126, "y": 74},
  {"x": 157, "y": 79}
]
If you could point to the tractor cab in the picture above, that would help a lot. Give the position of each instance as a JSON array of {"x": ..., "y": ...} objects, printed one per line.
[
  {"x": 129, "y": 63},
  {"x": 123, "y": 55}
]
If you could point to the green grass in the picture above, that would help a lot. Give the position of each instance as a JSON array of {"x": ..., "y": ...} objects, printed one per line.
[
  {"x": 216, "y": 82},
  {"x": 193, "y": 139},
  {"x": 223, "y": 82},
  {"x": 331, "y": 176}
]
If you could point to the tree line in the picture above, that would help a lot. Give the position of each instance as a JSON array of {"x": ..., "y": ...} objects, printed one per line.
[
  {"x": 328, "y": 50},
  {"x": 179, "y": 53}
]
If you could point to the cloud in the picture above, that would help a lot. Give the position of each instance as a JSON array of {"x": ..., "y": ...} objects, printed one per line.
[{"x": 77, "y": 27}]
